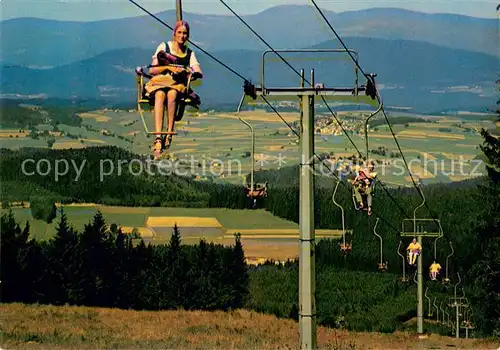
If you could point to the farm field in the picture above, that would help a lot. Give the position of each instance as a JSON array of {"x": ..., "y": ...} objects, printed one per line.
[
  {"x": 263, "y": 235},
  {"x": 70, "y": 327},
  {"x": 440, "y": 150}
]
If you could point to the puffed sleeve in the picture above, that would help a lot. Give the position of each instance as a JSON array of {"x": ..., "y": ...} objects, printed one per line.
[
  {"x": 160, "y": 47},
  {"x": 193, "y": 60}
]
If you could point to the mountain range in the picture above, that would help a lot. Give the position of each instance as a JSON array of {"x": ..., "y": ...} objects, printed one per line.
[
  {"x": 428, "y": 62},
  {"x": 39, "y": 42}
]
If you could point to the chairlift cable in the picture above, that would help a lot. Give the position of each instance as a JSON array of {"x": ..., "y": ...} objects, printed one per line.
[
  {"x": 248, "y": 80},
  {"x": 383, "y": 111},
  {"x": 192, "y": 43}
]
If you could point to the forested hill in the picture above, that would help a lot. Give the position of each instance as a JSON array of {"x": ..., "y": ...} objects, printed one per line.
[{"x": 94, "y": 175}]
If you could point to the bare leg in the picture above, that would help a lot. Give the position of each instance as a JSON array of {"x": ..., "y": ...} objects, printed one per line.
[
  {"x": 357, "y": 194},
  {"x": 172, "y": 106},
  {"x": 159, "y": 109},
  {"x": 369, "y": 200},
  {"x": 368, "y": 192}
]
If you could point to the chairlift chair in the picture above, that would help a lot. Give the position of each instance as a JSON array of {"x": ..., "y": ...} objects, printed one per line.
[{"x": 183, "y": 99}]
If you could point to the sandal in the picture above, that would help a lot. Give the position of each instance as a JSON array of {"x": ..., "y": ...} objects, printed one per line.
[
  {"x": 157, "y": 148},
  {"x": 168, "y": 142}
]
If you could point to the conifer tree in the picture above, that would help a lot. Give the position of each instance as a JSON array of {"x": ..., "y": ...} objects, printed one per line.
[
  {"x": 13, "y": 244},
  {"x": 141, "y": 289},
  {"x": 238, "y": 274},
  {"x": 63, "y": 262},
  {"x": 95, "y": 251},
  {"x": 177, "y": 267},
  {"x": 486, "y": 271},
  {"x": 199, "y": 291}
]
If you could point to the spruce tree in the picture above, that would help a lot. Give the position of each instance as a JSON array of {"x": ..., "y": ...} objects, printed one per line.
[
  {"x": 95, "y": 249},
  {"x": 13, "y": 244},
  {"x": 63, "y": 262},
  {"x": 486, "y": 271},
  {"x": 177, "y": 265},
  {"x": 238, "y": 274}
]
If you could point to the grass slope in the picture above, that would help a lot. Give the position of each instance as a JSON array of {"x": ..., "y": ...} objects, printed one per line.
[{"x": 69, "y": 327}]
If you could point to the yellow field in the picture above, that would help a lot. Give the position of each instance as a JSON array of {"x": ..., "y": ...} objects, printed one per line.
[
  {"x": 186, "y": 150},
  {"x": 432, "y": 134},
  {"x": 182, "y": 221},
  {"x": 464, "y": 157},
  {"x": 67, "y": 144},
  {"x": 186, "y": 143},
  {"x": 427, "y": 125},
  {"x": 269, "y": 236},
  {"x": 399, "y": 136},
  {"x": 417, "y": 169},
  {"x": 143, "y": 231},
  {"x": 122, "y": 210},
  {"x": 342, "y": 154},
  {"x": 94, "y": 140},
  {"x": 258, "y": 250},
  {"x": 11, "y": 131},
  {"x": 274, "y": 148},
  {"x": 97, "y": 117},
  {"x": 269, "y": 251},
  {"x": 458, "y": 177},
  {"x": 265, "y": 232},
  {"x": 9, "y": 134},
  {"x": 76, "y": 205},
  {"x": 262, "y": 116}
]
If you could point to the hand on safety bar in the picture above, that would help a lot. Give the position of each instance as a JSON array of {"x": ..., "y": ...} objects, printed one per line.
[{"x": 196, "y": 75}]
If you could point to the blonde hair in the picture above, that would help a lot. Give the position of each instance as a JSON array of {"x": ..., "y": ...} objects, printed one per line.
[{"x": 180, "y": 24}]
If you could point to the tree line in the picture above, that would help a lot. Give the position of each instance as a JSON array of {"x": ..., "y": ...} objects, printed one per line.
[{"x": 101, "y": 266}]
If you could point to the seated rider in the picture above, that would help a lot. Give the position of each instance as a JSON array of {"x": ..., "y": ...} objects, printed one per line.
[
  {"x": 169, "y": 86},
  {"x": 256, "y": 192},
  {"x": 414, "y": 248},
  {"x": 434, "y": 270},
  {"x": 362, "y": 183}
]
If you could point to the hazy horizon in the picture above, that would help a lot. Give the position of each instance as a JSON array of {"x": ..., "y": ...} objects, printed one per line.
[{"x": 96, "y": 10}]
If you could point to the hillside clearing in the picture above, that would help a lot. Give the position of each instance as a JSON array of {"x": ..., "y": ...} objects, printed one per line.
[{"x": 70, "y": 327}]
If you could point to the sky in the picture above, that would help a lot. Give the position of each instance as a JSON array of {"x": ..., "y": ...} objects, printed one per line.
[{"x": 94, "y": 10}]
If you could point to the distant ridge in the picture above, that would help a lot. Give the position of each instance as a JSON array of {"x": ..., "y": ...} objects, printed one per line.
[
  {"x": 285, "y": 26},
  {"x": 409, "y": 74}
]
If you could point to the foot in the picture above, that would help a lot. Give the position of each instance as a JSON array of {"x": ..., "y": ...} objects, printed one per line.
[
  {"x": 168, "y": 142},
  {"x": 157, "y": 148}
]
